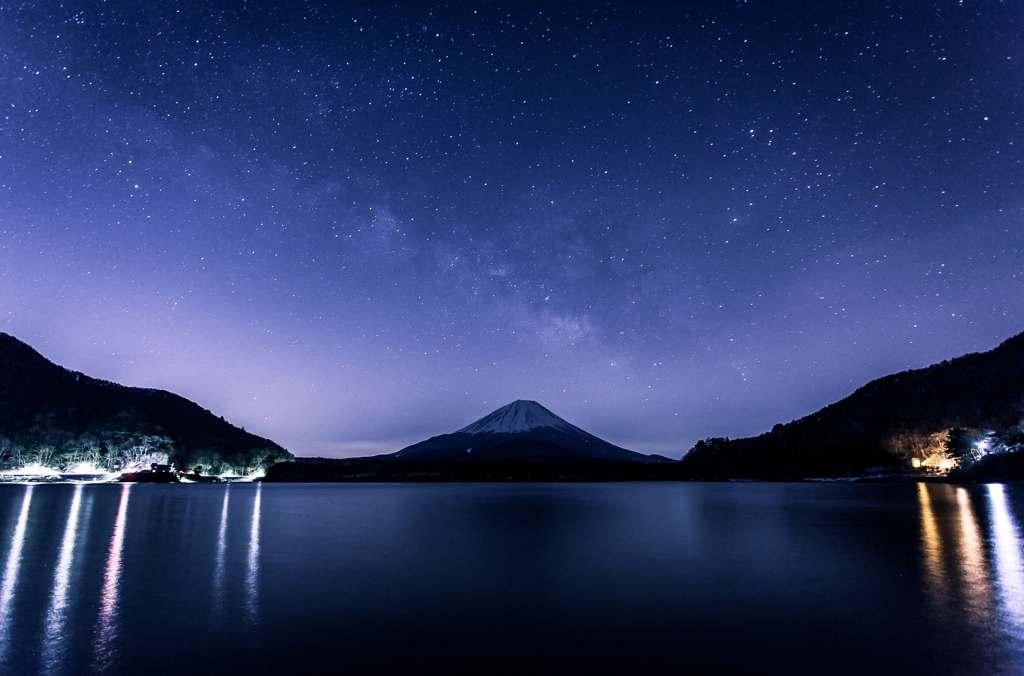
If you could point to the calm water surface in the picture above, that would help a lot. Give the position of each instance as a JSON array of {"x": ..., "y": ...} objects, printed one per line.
[{"x": 559, "y": 578}]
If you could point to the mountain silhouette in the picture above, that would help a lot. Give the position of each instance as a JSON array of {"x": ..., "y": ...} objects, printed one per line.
[
  {"x": 885, "y": 423},
  {"x": 523, "y": 430},
  {"x": 56, "y": 416}
]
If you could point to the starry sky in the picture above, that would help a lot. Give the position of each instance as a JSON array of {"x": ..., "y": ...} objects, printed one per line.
[{"x": 352, "y": 226}]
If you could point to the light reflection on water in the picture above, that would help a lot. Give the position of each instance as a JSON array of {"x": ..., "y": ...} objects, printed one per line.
[
  {"x": 973, "y": 566},
  {"x": 104, "y": 650},
  {"x": 55, "y": 614},
  {"x": 1006, "y": 546},
  {"x": 429, "y": 563},
  {"x": 252, "y": 576},
  {"x": 931, "y": 547},
  {"x": 11, "y": 571},
  {"x": 969, "y": 569},
  {"x": 218, "y": 571}
]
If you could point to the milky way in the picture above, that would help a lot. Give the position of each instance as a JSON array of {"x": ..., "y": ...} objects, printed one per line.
[{"x": 349, "y": 227}]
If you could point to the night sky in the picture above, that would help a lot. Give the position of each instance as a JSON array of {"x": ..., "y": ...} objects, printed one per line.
[{"x": 352, "y": 226}]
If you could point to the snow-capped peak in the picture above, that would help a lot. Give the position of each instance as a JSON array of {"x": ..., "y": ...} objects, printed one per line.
[{"x": 519, "y": 416}]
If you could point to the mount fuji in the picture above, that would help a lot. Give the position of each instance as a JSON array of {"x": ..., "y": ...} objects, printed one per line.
[{"x": 522, "y": 430}]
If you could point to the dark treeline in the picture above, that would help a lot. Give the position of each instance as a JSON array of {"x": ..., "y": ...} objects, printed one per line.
[
  {"x": 944, "y": 410},
  {"x": 59, "y": 418}
]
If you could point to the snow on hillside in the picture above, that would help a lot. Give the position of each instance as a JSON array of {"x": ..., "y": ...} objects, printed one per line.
[{"x": 519, "y": 416}]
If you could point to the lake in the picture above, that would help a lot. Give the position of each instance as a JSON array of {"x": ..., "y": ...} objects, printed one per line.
[{"x": 662, "y": 577}]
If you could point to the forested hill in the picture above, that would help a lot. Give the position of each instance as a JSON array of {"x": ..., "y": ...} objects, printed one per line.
[
  {"x": 54, "y": 416},
  {"x": 891, "y": 421}
]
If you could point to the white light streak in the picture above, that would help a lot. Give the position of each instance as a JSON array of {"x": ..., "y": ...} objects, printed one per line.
[
  {"x": 1009, "y": 567},
  {"x": 108, "y": 602},
  {"x": 11, "y": 571},
  {"x": 55, "y": 617},
  {"x": 218, "y": 573},
  {"x": 252, "y": 579}
]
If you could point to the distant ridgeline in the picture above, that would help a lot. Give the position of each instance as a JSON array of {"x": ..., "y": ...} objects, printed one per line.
[
  {"x": 962, "y": 415},
  {"x": 59, "y": 418},
  {"x": 522, "y": 441}
]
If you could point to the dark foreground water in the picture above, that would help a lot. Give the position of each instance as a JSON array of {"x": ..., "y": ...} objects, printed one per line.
[{"x": 734, "y": 578}]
